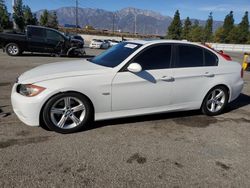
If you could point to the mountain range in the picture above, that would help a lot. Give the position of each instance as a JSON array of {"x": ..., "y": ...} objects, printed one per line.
[{"x": 126, "y": 20}]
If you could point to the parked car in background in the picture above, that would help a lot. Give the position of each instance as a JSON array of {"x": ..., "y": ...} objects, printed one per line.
[
  {"x": 42, "y": 40},
  {"x": 129, "y": 79},
  {"x": 113, "y": 42},
  {"x": 99, "y": 44}
]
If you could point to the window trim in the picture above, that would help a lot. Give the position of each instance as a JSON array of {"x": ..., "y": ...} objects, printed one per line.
[{"x": 124, "y": 68}]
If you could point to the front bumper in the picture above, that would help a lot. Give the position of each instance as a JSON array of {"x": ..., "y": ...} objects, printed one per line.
[{"x": 27, "y": 109}]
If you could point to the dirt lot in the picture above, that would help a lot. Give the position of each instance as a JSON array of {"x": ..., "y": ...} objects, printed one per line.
[{"x": 169, "y": 150}]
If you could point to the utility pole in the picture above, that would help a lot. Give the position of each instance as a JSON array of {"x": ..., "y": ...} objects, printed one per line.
[
  {"x": 135, "y": 31},
  {"x": 113, "y": 23},
  {"x": 76, "y": 14},
  {"x": 15, "y": 27}
]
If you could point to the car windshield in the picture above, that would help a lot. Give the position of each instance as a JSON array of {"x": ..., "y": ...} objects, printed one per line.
[{"x": 115, "y": 55}]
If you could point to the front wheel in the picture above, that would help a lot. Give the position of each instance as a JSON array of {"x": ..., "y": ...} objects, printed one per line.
[
  {"x": 215, "y": 101},
  {"x": 13, "y": 49},
  {"x": 67, "y": 112}
]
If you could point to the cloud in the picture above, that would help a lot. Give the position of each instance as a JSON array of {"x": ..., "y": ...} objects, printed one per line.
[{"x": 225, "y": 8}]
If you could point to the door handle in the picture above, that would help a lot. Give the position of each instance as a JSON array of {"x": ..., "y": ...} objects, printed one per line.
[
  {"x": 209, "y": 75},
  {"x": 167, "y": 78}
]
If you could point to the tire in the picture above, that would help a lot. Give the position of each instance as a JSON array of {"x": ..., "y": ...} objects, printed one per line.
[
  {"x": 67, "y": 113},
  {"x": 215, "y": 101},
  {"x": 13, "y": 49},
  {"x": 71, "y": 53}
]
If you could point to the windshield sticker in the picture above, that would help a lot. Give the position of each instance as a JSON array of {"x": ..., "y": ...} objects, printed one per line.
[{"x": 132, "y": 46}]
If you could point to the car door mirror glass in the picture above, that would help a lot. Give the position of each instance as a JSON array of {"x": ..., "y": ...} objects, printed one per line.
[{"x": 135, "y": 68}]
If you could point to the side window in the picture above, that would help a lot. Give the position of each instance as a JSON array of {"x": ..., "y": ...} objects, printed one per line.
[
  {"x": 210, "y": 58},
  {"x": 53, "y": 35},
  {"x": 189, "y": 56},
  {"x": 156, "y": 57},
  {"x": 35, "y": 32}
]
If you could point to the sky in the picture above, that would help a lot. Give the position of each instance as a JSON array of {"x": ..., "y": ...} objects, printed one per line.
[{"x": 192, "y": 8}]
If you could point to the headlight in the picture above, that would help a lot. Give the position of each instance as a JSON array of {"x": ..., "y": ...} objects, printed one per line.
[{"x": 29, "y": 90}]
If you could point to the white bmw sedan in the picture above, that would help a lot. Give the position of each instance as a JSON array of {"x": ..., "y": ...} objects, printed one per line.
[{"x": 129, "y": 79}]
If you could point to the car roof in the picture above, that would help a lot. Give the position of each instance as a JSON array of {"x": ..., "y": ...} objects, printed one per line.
[{"x": 145, "y": 42}]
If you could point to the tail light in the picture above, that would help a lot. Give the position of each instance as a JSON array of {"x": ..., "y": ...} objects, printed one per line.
[
  {"x": 220, "y": 52},
  {"x": 225, "y": 56},
  {"x": 242, "y": 73}
]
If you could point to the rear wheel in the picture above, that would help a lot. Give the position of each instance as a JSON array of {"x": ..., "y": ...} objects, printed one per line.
[
  {"x": 13, "y": 49},
  {"x": 67, "y": 112},
  {"x": 215, "y": 101}
]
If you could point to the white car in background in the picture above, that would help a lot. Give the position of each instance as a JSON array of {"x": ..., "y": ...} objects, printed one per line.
[
  {"x": 129, "y": 79},
  {"x": 113, "y": 42},
  {"x": 99, "y": 44}
]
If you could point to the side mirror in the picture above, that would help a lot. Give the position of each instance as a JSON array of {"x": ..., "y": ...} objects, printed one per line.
[{"x": 134, "y": 67}]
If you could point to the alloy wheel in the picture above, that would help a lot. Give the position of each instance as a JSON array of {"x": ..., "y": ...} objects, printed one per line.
[
  {"x": 13, "y": 50},
  {"x": 216, "y": 100},
  {"x": 67, "y": 112}
]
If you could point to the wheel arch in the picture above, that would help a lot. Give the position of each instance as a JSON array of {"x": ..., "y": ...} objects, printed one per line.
[
  {"x": 42, "y": 124},
  {"x": 19, "y": 45},
  {"x": 218, "y": 85}
]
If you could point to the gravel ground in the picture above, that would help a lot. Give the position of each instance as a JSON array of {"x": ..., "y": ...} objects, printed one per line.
[{"x": 184, "y": 149}]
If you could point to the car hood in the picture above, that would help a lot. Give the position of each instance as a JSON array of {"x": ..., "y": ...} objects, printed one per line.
[{"x": 61, "y": 70}]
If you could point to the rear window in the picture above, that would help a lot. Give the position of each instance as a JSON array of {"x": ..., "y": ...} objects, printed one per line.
[{"x": 36, "y": 32}]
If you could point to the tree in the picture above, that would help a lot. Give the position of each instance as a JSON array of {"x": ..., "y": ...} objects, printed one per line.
[
  {"x": 4, "y": 16},
  {"x": 186, "y": 29},
  {"x": 234, "y": 35},
  {"x": 48, "y": 19},
  {"x": 219, "y": 35},
  {"x": 29, "y": 18},
  {"x": 44, "y": 19},
  {"x": 18, "y": 15},
  {"x": 175, "y": 28},
  {"x": 196, "y": 34},
  {"x": 208, "y": 30},
  {"x": 244, "y": 29},
  {"x": 227, "y": 27},
  {"x": 53, "y": 22}
]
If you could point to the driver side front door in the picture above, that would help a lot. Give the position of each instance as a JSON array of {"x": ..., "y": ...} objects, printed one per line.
[
  {"x": 150, "y": 88},
  {"x": 54, "y": 41}
]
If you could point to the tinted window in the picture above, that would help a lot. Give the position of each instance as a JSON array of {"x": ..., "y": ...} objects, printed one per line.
[
  {"x": 53, "y": 35},
  {"x": 36, "y": 32},
  {"x": 189, "y": 56},
  {"x": 115, "y": 55},
  {"x": 157, "y": 57},
  {"x": 210, "y": 58}
]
